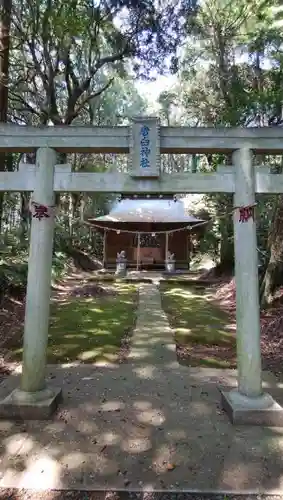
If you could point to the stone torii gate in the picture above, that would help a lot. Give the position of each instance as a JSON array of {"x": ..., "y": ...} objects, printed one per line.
[{"x": 144, "y": 140}]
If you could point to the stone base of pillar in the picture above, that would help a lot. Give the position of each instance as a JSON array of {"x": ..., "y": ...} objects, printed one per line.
[
  {"x": 241, "y": 410},
  {"x": 21, "y": 405}
]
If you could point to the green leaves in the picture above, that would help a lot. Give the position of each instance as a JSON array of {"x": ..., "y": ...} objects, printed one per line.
[{"x": 65, "y": 54}]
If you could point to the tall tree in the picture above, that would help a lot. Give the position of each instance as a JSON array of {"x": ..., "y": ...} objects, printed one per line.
[
  {"x": 225, "y": 80},
  {"x": 71, "y": 51},
  {"x": 5, "y": 23}
]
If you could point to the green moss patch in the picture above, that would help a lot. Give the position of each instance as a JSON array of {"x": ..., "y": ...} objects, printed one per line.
[
  {"x": 203, "y": 332},
  {"x": 90, "y": 329}
]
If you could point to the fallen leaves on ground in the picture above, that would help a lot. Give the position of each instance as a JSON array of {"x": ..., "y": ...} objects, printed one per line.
[
  {"x": 271, "y": 326},
  {"x": 12, "y": 313},
  {"x": 171, "y": 467}
]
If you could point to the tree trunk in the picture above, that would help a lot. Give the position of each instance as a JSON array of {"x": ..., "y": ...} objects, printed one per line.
[
  {"x": 25, "y": 218},
  {"x": 273, "y": 277},
  {"x": 5, "y": 23},
  {"x": 194, "y": 164},
  {"x": 226, "y": 264}
]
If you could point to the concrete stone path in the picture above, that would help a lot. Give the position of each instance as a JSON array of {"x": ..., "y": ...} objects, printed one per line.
[
  {"x": 148, "y": 424},
  {"x": 152, "y": 338}
]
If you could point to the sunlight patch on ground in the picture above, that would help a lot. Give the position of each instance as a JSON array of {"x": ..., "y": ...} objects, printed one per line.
[
  {"x": 136, "y": 445},
  {"x": 145, "y": 372},
  {"x": 109, "y": 439},
  {"x": 203, "y": 332},
  {"x": 90, "y": 329},
  {"x": 152, "y": 417},
  {"x": 41, "y": 474}
]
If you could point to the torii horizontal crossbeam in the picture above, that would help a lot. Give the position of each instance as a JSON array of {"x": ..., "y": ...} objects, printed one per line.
[
  {"x": 185, "y": 182},
  {"x": 117, "y": 139}
]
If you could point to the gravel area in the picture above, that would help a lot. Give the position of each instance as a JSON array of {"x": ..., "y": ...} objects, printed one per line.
[{"x": 12, "y": 494}]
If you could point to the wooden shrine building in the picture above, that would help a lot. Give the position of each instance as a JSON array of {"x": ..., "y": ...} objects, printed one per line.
[{"x": 147, "y": 229}]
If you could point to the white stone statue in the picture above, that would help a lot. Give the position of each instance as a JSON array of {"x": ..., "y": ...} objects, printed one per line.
[
  {"x": 121, "y": 257},
  {"x": 170, "y": 256}
]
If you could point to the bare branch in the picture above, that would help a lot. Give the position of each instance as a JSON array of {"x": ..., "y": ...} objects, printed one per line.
[
  {"x": 18, "y": 98},
  {"x": 87, "y": 99}
]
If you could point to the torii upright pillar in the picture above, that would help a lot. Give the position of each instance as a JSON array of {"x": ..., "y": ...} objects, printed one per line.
[
  {"x": 248, "y": 404},
  {"x": 34, "y": 400}
]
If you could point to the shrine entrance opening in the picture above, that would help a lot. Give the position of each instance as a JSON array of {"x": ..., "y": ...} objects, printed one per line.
[{"x": 145, "y": 140}]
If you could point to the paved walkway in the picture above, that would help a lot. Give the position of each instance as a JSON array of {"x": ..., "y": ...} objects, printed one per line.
[
  {"x": 153, "y": 338},
  {"x": 148, "y": 424}
]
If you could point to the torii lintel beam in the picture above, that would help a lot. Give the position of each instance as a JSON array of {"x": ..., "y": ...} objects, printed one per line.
[{"x": 117, "y": 139}]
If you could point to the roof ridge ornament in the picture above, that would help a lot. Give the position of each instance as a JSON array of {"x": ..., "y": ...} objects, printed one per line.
[{"x": 145, "y": 147}]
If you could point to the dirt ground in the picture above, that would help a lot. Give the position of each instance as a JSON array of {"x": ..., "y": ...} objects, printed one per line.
[{"x": 112, "y": 495}]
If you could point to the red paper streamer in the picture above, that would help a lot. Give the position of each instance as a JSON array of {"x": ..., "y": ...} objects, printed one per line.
[
  {"x": 246, "y": 213},
  {"x": 39, "y": 211}
]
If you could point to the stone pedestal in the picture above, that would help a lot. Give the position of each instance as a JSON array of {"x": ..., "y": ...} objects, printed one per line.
[
  {"x": 263, "y": 410},
  {"x": 121, "y": 268},
  {"x": 22, "y": 405},
  {"x": 170, "y": 266}
]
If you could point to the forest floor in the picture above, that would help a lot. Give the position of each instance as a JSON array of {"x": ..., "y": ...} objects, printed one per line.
[
  {"x": 271, "y": 324},
  {"x": 197, "y": 339},
  {"x": 89, "y": 323}
]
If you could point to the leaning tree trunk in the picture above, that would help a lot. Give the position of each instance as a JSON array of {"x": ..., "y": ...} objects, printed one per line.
[{"x": 273, "y": 277}]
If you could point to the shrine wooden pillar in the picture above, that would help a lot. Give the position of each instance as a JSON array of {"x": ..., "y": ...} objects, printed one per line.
[
  {"x": 138, "y": 257},
  {"x": 104, "y": 247},
  {"x": 166, "y": 247}
]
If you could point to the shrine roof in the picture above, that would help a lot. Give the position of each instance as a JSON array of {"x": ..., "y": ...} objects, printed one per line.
[{"x": 147, "y": 211}]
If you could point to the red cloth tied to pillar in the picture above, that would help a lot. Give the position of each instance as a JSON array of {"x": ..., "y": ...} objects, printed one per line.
[{"x": 246, "y": 213}]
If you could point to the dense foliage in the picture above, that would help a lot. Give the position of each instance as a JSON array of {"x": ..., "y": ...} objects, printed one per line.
[
  {"x": 231, "y": 75},
  {"x": 76, "y": 62}
]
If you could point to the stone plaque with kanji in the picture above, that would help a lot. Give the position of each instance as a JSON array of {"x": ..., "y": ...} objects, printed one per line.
[{"x": 145, "y": 147}]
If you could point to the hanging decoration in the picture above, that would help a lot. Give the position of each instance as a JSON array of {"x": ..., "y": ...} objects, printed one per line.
[
  {"x": 170, "y": 231},
  {"x": 146, "y": 240},
  {"x": 246, "y": 213},
  {"x": 40, "y": 211},
  {"x": 151, "y": 196}
]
